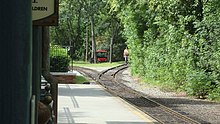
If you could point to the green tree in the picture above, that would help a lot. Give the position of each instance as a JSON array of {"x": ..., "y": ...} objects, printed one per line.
[{"x": 172, "y": 40}]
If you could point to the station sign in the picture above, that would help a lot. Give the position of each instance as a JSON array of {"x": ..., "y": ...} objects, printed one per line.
[{"x": 45, "y": 12}]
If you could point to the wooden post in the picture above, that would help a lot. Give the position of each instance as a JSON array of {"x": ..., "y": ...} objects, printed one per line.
[{"x": 37, "y": 64}]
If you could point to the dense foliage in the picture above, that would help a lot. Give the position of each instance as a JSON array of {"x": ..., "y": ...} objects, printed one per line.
[
  {"x": 59, "y": 59},
  {"x": 174, "y": 42}
]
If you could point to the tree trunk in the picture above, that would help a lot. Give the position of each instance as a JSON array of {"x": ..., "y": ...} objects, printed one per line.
[
  {"x": 78, "y": 40},
  {"x": 93, "y": 55},
  {"x": 71, "y": 37},
  {"x": 46, "y": 67},
  {"x": 45, "y": 57},
  {"x": 110, "y": 49},
  {"x": 87, "y": 44},
  {"x": 114, "y": 33}
]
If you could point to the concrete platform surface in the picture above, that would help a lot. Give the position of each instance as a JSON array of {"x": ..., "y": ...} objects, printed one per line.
[{"x": 91, "y": 104}]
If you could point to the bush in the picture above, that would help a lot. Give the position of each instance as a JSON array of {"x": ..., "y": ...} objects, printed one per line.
[
  {"x": 59, "y": 63},
  {"x": 215, "y": 93},
  {"x": 199, "y": 84},
  {"x": 59, "y": 60}
]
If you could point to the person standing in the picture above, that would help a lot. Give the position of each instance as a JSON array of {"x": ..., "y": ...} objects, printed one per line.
[{"x": 126, "y": 54}]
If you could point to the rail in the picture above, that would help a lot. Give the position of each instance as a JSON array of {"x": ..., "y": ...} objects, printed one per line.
[{"x": 161, "y": 113}]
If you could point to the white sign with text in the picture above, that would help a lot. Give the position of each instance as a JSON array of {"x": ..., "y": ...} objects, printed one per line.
[{"x": 42, "y": 9}]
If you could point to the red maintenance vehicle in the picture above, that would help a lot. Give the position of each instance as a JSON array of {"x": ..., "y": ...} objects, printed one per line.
[{"x": 101, "y": 55}]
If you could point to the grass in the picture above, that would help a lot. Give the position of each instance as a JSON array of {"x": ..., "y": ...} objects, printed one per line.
[
  {"x": 80, "y": 80},
  {"x": 103, "y": 64}
]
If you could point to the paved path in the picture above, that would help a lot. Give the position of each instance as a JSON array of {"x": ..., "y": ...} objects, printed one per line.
[{"x": 91, "y": 104}]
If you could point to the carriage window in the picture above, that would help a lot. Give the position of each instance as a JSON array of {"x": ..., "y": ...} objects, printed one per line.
[{"x": 101, "y": 55}]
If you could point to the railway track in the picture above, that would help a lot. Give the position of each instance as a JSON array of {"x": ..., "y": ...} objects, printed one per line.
[{"x": 159, "y": 112}]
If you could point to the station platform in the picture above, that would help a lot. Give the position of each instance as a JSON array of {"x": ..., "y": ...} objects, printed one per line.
[{"x": 92, "y": 104}]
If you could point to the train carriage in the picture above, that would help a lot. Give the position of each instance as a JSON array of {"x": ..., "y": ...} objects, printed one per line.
[{"x": 101, "y": 55}]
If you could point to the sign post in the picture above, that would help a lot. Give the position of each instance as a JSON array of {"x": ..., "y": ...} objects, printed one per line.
[{"x": 44, "y": 13}]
